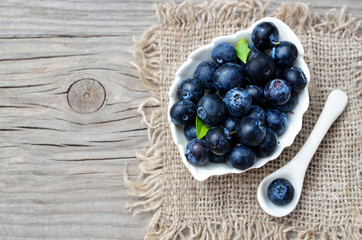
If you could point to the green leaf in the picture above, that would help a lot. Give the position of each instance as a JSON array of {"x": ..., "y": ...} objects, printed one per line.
[
  {"x": 242, "y": 50},
  {"x": 201, "y": 128}
]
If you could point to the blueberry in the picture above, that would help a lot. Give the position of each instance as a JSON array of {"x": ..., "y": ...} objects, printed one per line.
[
  {"x": 279, "y": 72},
  {"x": 223, "y": 53},
  {"x": 276, "y": 120},
  {"x": 211, "y": 110},
  {"x": 268, "y": 145},
  {"x": 197, "y": 152},
  {"x": 280, "y": 192},
  {"x": 241, "y": 157},
  {"x": 296, "y": 78},
  {"x": 227, "y": 133},
  {"x": 205, "y": 73},
  {"x": 250, "y": 132},
  {"x": 237, "y": 102},
  {"x": 265, "y": 35},
  {"x": 260, "y": 69},
  {"x": 218, "y": 158},
  {"x": 217, "y": 141},
  {"x": 190, "y": 89},
  {"x": 285, "y": 53},
  {"x": 228, "y": 76},
  {"x": 190, "y": 132},
  {"x": 277, "y": 92},
  {"x": 290, "y": 105},
  {"x": 257, "y": 94},
  {"x": 253, "y": 51},
  {"x": 183, "y": 113},
  {"x": 256, "y": 113},
  {"x": 230, "y": 124}
]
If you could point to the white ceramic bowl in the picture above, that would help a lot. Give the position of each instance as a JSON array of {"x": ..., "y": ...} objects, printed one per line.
[{"x": 203, "y": 53}]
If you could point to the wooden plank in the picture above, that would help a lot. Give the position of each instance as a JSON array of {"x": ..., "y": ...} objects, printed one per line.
[{"x": 61, "y": 170}]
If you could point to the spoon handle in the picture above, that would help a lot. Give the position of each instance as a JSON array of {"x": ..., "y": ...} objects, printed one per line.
[{"x": 336, "y": 102}]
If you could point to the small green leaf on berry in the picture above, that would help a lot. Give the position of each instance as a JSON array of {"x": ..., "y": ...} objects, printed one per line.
[
  {"x": 242, "y": 50},
  {"x": 201, "y": 128}
]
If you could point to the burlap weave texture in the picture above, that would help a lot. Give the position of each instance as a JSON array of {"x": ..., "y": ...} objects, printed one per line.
[{"x": 225, "y": 207}]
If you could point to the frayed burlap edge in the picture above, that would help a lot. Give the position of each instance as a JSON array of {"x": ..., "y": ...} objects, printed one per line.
[{"x": 148, "y": 186}]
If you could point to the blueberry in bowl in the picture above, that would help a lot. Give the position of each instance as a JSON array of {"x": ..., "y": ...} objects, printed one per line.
[
  {"x": 237, "y": 102},
  {"x": 277, "y": 91}
]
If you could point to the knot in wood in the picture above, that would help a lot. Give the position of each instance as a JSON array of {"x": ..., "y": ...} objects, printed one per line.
[{"x": 86, "y": 95}]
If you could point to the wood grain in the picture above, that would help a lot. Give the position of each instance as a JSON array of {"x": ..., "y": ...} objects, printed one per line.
[{"x": 60, "y": 169}]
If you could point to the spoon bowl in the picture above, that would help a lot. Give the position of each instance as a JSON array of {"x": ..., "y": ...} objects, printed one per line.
[{"x": 295, "y": 170}]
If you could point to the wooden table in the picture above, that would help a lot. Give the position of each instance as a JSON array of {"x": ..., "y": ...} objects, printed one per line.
[{"x": 68, "y": 120}]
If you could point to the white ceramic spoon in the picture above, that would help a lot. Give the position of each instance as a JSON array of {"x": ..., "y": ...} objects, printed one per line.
[{"x": 295, "y": 170}]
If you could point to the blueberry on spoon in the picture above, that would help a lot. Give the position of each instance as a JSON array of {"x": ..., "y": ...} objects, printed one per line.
[{"x": 280, "y": 192}]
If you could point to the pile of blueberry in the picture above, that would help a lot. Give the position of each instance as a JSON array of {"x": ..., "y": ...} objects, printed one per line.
[{"x": 234, "y": 108}]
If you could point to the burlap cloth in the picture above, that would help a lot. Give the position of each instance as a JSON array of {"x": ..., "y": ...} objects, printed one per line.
[{"x": 226, "y": 207}]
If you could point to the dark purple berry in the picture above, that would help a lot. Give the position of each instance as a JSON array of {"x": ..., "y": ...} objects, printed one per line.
[
  {"x": 280, "y": 192},
  {"x": 257, "y": 94},
  {"x": 260, "y": 69},
  {"x": 241, "y": 157},
  {"x": 183, "y": 113},
  {"x": 218, "y": 158},
  {"x": 190, "y": 89},
  {"x": 256, "y": 113},
  {"x": 296, "y": 78},
  {"x": 268, "y": 145},
  {"x": 285, "y": 53},
  {"x": 253, "y": 51},
  {"x": 250, "y": 132},
  {"x": 211, "y": 110},
  {"x": 265, "y": 35},
  {"x": 228, "y": 76},
  {"x": 290, "y": 105},
  {"x": 204, "y": 73},
  {"x": 197, "y": 152},
  {"x": 276, "y": 120},
  {"x": 237, "y": 101},
  {"x": 223, "y": 53},
  {"x": 190, "y": 132},
  {"x": 277, "y": 92},
  {"x": 217, "y": 141},
  {"x": 230, "y": 124}
]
